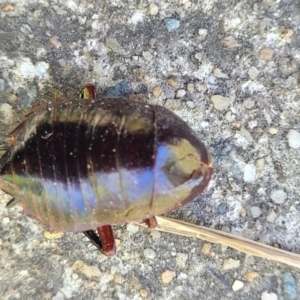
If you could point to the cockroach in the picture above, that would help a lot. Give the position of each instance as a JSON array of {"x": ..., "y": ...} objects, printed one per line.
[{"x": 76, "y": 165}]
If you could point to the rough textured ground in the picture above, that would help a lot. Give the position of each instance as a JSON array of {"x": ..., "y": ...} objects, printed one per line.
[{"x": 228, "y": 68}]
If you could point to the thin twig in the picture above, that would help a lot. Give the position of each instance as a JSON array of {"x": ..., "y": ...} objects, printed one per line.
[{"x": 236, "y": 242}]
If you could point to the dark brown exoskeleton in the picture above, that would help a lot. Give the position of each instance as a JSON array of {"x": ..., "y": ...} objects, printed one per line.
[{"x": 83, "y": 164}]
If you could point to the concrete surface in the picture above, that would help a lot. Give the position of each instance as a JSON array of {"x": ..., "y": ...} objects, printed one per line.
[{"x": 228, "y": 68}]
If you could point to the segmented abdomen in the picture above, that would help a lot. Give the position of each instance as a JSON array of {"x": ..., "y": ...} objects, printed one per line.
[{"x": 80, "y": 164}]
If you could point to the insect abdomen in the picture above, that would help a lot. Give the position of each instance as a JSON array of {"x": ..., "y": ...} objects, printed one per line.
[{"x": 80, "y": 164}]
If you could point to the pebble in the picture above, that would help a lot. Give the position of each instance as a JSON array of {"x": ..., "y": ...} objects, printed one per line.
[
  {"x": 55, "y": 42},
  {"x": 2, "y": 84},
  {"x": 190, "y": 87},
  {"x": 8, "y": 7},
  {"x": 245, "y": 134},
  {"x": 248, "y": 103},
  {"x": 88, "y": 271},
  {"x": 230, "y": 42},
  {"x": 268, "y": 296},
  {"x": 249, "y": 173},
  {"x": 272, "y": 130},
  {"x": 229, "y": 117},
  {"x": 5, "y": 220},
  {"x": 259, "y": 164},
  {"x": 253, "y": 73},
  {"x": 202, "y": 32},
  {"x": 289, "y": 286},
  {"x": 157, "y": 91},
  {"x": 153, "y": 9},
  {"x": 190, "y": 104},
  {"x": 137, "y": 17},
  {"x": 155, "y": 234},
  {"x": 222, "y": 208},
  {"x": 266, "y": 54},
  {"x": 206, "y": 248},
  {"x": 147, "y": 55},
  {"x": 231, "y": 263},
  {"x": 278, "y": 196},
  {"x": 6, "y": 113},
  {"x": 172, "y": 23},
  {"x": 119, "y": 279},
  {"x": 132, "y": 228},
  {"x": 53, "y": 235},
  {"x": 219, "y": 74},
  {"x": 237, "y": 285},
  {"x": 220, "y": 102},
  {"x": 172, "y": 104},
  {"x": 251, "y": 276},
  {"x": 224, "y": 248},
  {"x": 255, "y": 211},
  {"x": 180, "y": 93},
  {"x": 149, "y": 253},
  {"x": 172, "y": 82},
  {"x": 144, "y": 293},
  {"x": 167, "y": 276},
  {"x": 293, "y": 139},
  {"x": 242, "y": 213},
  {"x": 181, "y": 259},
  {"x": 271, "y": 217}
]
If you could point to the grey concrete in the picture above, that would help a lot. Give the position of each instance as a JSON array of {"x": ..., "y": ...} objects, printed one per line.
[{"x": 238, "y": 64}]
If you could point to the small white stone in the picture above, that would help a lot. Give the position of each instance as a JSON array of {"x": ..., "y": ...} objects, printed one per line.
[
  {"x": 137, "y": 17},
  {"x": 219, "y": 74},
  {"x": 153, "y": 9},
  {"x": 249, "y": 173},
  {"x": 231, "y": 263},
  {"x": 253, "y": 73},
  {"x": 149, "y": 253},
  {"x": 181, "y": 259},
  {"x": 190, "y": 104},
  {"x": 268, "y": 296},
  {"x": 190, "y": 87},
  {"x": 273, "y": 130},
  {"x": 220, "y": 102},
  {"x": 259, "y": 164},
  {"x": 5, "y": 220},
  {"x": 229, "y": 117},
  {"x": 180, "y": 93},
  {"x": 294, "y": 139},
  {"x": 271, "y": 217},
  {"x": 255, "y": 211},
  {"x": 278, "y": 196},
  {"x": 248, "y": 103},
  {"x": 6, "y": 113},
  {"x": 202, "y": 32},
  {"x": 132, "y": 228},
  {"x": 147, "y": 55},
  {"x": 237, "y": 285}
]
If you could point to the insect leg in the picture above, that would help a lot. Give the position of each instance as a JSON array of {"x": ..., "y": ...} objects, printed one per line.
[
  {"x": 107, "y": 239},
  {"x": 88, "y": 92},
  {"x": 12, "y": 203},
  {"x": 93, "y": 237},
  {"x": 151, "y": 222}
]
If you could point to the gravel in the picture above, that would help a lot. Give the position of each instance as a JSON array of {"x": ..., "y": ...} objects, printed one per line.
[{"x": 238, "y": 65}]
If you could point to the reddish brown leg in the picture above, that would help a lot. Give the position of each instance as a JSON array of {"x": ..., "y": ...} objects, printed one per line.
[
  {"x": 151, "y": 222},
  {"x": 106, "y": 237},
  {"x": 88, "y": 92}
]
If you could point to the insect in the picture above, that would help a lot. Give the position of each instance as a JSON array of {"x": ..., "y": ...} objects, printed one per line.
[{"x": 85, "y": 164}]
